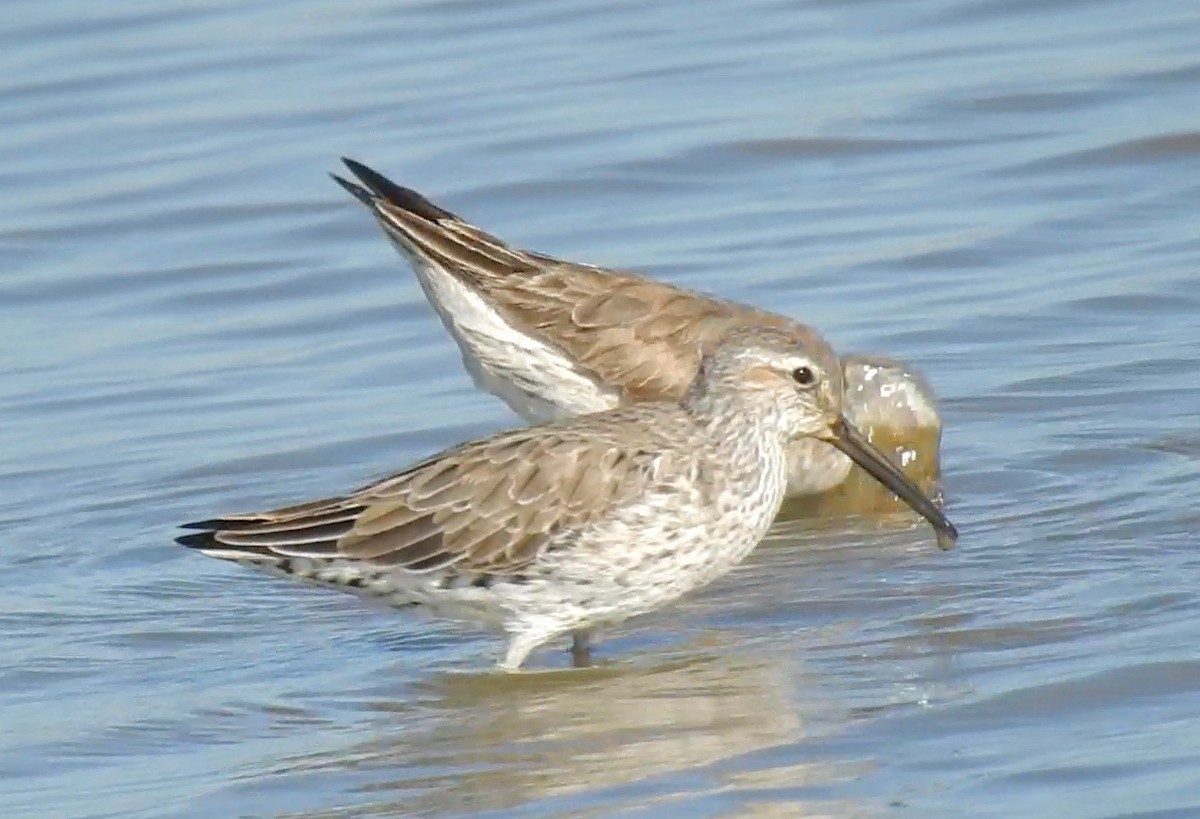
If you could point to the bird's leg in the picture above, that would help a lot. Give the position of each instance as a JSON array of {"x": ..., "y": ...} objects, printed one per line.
[{"x": 581, "y": 649}]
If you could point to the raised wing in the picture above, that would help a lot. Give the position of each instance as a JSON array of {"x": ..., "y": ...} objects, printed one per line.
[{"x": 639, "y": 337}]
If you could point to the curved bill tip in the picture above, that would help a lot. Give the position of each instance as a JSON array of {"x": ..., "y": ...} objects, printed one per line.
[
  {"x": 846, "y": 437},
  {"x": 946, "y": 537}
]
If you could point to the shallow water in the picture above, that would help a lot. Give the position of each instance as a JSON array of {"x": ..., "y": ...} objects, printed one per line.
[{"x": 195, "y": 319}]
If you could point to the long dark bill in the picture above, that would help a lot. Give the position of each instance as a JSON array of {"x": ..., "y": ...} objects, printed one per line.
[{"x": 849, "y": 440}]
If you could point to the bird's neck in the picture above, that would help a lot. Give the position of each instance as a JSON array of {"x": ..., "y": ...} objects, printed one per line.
[{"x": 747, "y": 431}]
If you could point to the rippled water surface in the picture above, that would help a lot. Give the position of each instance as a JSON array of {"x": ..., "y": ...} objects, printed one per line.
[{"x": 193, "y": 318}]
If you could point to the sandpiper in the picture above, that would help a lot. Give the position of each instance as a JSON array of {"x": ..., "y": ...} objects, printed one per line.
[
  {"x": 554, "y": 338},
  {"x": 564, "y": 527}
]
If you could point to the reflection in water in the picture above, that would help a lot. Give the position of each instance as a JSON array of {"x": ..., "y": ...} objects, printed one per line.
[{"x": 490, "y": 740}]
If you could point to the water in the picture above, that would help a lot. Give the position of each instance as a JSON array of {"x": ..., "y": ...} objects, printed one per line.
[{"x": 195, "y": 319}]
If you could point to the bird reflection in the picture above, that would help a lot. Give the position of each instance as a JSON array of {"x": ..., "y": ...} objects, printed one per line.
[{"x": 487, "y": 741}]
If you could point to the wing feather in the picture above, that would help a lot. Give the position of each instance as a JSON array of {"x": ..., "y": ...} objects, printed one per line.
[
  {"x": 489, "y": 506},
  {"x": 640, "y": 338}
]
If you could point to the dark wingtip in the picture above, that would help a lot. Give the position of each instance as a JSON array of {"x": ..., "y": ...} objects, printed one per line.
[
  {"x": 397, "y": 195},
  {"x": 357, "y": 191},
  {"x": 210, "y": 524},
  {"x": 201, "y": 540}
]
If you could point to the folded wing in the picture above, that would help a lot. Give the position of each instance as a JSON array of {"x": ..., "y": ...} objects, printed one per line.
[{"x": 487, "y": 507}]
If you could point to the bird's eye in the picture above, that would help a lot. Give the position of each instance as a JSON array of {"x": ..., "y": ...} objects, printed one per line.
[{"x": 804, "y": 376}]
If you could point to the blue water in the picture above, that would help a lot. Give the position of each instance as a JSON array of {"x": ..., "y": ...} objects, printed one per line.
[{"x": 194, "y": 319}]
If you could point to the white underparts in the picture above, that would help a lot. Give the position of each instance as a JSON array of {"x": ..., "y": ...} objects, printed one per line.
[{"x": 536, "y": 380}]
